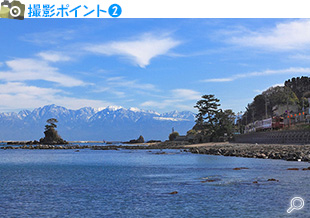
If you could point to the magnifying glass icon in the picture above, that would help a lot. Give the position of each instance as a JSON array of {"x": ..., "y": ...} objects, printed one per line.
[{"x": 297, "y": 203}]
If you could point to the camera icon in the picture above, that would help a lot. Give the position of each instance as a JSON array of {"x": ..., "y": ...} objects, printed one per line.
[{"x": 13, "y": 10}]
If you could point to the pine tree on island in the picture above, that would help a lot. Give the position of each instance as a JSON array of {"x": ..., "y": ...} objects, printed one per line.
[{"x": 51, "y": 134}]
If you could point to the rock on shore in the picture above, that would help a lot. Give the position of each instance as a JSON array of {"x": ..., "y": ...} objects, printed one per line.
[
  {"x": 274, "y": 151},
  {"x": 144, "y": 146}
]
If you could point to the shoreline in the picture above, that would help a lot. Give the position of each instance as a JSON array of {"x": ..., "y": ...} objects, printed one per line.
[
  {"x": 288, "y": 152},
  {"x": 138, "y": 146}
]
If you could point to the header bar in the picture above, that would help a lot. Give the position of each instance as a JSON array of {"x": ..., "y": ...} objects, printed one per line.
[{"x": 157, "y": 9}]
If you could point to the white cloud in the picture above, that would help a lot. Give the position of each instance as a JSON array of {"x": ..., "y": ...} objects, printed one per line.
[
  {"x": 116, "y": 78},
  {"x": 301, "y": 57},
  {"x": 139, "y": 51},
  {"x": 50, "y": 37},
  {"x": 160, "y": 104},
  {"x": 133, "y": 84},
  {"x": 121, "y": 87},
  {"x": 262, "y": 90},
  {"x": 173, "y": 103},
  {"x": 35, "y": 69},
  {"x": 284, "y": 36},
  {"x": 15, "y": 95},
  {"x": 278, "y": 84},
  {"x": 228, "y": 79},
  {"x": 53, "y": 56},
  {"x": 186, "y": 94},
  {"x": 76, "y": 103},
  {"x": 182, "y": 99},
  {"x": 119, "y": 94},
  {"x": 16, "y": 88},
  {"x": 292, "y": 70}
]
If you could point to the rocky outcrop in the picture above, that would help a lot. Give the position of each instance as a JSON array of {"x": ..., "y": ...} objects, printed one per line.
[
  {"x": 40, "y": 146},
  {"x": 284, "y": 152},
  {"x": 136, "y": 141},
  {"x": 94, "y": 147},
  {"x": 52, "y": 138}
]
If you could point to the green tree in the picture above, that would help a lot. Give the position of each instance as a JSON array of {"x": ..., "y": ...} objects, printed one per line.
[
  {"x": 51, "y": 124},
  {"x": 259, "y": 106},
  {"x": 224, "y": 123},
  {"x": 173, "y": 136},
  {"x": 304, "y": 101},
  {"x": 298, "y": 85},
  {"x": 211, "y": 121},
  {"x": 272, "y": 97},
  {"x": 307, "y": 94},
  {"x": 281, "y": 95},
  {"x": 191, "y": 132},
  {"x": 207, "y": 110}
]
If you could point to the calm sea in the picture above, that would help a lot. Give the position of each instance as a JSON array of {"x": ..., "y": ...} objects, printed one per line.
[{"x": 137, "y": 183}]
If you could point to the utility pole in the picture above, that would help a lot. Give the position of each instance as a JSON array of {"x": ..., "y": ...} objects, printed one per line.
[
  {"x": 303, "y": 106},
  {"x": 240, "y": 122}
]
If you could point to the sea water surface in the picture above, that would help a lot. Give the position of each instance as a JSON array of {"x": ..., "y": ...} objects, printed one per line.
[{"x": 137, "y": 183}]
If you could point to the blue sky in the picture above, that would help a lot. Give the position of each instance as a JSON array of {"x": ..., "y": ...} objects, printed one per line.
[{"x": 151, "y": 64}]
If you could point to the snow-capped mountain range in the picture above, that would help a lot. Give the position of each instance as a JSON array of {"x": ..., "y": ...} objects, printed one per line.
[{"x": 109, "y": 123}]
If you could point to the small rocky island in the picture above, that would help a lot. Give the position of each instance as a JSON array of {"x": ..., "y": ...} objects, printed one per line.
[
  {"x": 136, "y": 141},
  {"x": 51, "y": 136}
]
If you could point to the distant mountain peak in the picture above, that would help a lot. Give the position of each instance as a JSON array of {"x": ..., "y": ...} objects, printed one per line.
[
  {"x": 109, "y": 123},
  {"x": 111, "y": 108},
  {"x": 134, "y": 109}
]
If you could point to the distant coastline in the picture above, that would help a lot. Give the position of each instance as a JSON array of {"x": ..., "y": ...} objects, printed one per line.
[
  {"x": 288, "y": 152},
  {"x": 98, "y": 146}
]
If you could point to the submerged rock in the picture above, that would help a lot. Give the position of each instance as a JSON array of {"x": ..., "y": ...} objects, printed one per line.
[
  {"x": 160, "y": 152},
  {"x": 208, "y": 180},
  {"x": 241, "y": 168},
  {"x": 273, "y": 180}
]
